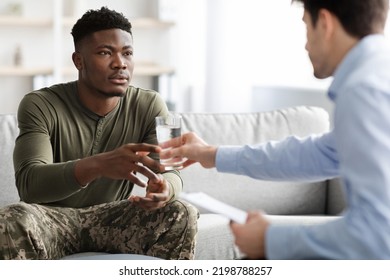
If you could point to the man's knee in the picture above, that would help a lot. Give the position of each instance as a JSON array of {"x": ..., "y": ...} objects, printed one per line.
[
  {"x": 16, "y": 213},
  {"x": 186, "y": 211},
  {"x": 15, "y": 222}
]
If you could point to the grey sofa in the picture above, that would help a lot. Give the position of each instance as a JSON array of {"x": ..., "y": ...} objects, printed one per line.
[{"x": 283, "y": 202}]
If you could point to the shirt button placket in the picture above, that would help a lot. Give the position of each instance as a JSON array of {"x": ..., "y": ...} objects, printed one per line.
[{"x": 98, "y": 135}]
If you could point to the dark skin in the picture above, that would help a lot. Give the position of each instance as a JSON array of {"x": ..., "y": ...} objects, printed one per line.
[{"x": 105, "y": 64}]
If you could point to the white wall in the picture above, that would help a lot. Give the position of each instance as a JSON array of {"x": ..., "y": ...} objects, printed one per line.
[
  {"x": 224, "y": 51},
  {"x": 255, "y": 52},
  {"x": 226, "y": 48}
]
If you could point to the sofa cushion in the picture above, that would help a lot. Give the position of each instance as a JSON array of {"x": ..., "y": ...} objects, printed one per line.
[
  {"x": 284, "y": 198},
  {"x": 9, "y": 131},
  {"x": 215, "y": 240}
]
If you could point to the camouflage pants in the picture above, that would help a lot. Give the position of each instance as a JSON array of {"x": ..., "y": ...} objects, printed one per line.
[{"x": 32, "y": 231}]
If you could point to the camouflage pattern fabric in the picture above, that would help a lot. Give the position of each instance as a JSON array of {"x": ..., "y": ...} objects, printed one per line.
[{"x": 33, "y": 231}]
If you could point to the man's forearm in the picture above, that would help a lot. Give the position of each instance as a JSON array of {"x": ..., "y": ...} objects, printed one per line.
[
  {"x": 46, "y": 183},
  {"x": 87, "y": 170}
]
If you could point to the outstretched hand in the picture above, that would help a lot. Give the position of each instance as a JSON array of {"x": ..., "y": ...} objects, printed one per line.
[
  {"x": 122, "y": 163},
  {"x": 192, "y": 147},
  {"x": 157, "y": 194}
]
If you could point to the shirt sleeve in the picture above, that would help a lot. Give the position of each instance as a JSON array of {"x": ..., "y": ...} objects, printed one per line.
[
  {"x": 336, "y": 239},
  {"x": 33, "y": 158},
  {"x": 305, "y": 159}
]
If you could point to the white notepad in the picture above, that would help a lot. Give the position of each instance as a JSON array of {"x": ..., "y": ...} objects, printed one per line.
[{"x": 207, "y": 202}]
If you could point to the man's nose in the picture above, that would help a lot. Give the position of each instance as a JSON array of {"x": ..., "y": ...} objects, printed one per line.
[{"x": 119, "y": 62}]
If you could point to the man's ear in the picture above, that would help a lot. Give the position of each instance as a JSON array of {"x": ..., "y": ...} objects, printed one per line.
[
  {"x": 326, "y": 21},
  {"x": 77, "y": 60}
]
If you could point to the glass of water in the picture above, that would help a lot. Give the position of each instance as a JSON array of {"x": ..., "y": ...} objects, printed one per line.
[{"x": 169, "y": 127}]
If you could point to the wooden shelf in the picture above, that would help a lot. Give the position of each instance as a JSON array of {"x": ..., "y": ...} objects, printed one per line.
[
  {"x": 19, "y": 21},
  {"x": 49, "y": 23},
  {"x": 139, "y": 70},
  {"x": 25, "y": 71}
]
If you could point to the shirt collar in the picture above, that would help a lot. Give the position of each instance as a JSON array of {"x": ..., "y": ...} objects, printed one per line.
[{"x": 358, "y": 53}]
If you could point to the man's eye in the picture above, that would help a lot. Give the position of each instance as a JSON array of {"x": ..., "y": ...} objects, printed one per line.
[
  {"x": 129, "y": 53},
  {"x": 104, "y": 53}
]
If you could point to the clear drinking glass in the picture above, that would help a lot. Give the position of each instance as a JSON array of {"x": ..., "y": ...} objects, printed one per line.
[{"x": 169, "y": 127}]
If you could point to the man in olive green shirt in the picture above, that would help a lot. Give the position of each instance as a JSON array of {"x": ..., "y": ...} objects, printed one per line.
[{"x": 78, "y": 155}]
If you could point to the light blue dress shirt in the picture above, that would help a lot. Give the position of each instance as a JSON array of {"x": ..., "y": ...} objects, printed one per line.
[{"x": 357, "y": 150}]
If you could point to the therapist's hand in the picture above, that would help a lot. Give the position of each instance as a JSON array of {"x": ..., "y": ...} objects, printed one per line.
[
  {"x": 192, "y": 147},
  {"x": 250, "y": 237}
]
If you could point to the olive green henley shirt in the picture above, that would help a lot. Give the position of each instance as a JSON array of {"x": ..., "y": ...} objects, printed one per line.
[{"x": 56, "y": 130}]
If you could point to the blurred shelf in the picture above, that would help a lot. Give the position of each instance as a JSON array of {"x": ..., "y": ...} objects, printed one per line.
[
  {"x": 25, "y": 71},
  {"x": 47, "y": 19},
  {"x": 20, "y": 21},
  {"x": 141, "y": 69}
]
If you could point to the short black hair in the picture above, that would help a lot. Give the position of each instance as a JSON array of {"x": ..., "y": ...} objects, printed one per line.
[
  {"x": 358, "y": 17},
  {"x": 97, "y": 20}
]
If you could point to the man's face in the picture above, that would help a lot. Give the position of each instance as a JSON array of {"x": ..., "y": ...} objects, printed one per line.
[
  {"x": 316, "y": 47},
  {"x": 106, "y": 59}
]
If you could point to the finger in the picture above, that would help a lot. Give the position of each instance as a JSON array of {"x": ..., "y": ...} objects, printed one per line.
[
  {"x": 184, "y": 165},
  {"x": 136, "y": 180},
  {"x": 133, "y": 198},
  {"x": 156, "y": 185},
  {"x": 141, "y": 153},
  {"x": 157, "y": 197},
  {"x": 172, "y": 143},
  {"x": 188, "y": 163},
  {"x": 146, "y": 172},
  {"x": 150, "y": 163},
  {"x": 174, "y": 152},
  {"x": 232, "y": 225},
  {"x": 144, "y": 147}
]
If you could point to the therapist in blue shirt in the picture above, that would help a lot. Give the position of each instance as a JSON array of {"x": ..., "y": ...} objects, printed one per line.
[{"x": 344, "y": 40}]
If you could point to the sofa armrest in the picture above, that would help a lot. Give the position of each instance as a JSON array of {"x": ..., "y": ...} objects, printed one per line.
[
  {"x": 8, "y": 133},
  {"x": 335, "y": 202}
]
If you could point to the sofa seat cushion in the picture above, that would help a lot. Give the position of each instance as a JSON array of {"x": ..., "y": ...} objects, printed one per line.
[
  {"x": 216, "y": 242},
  {"x": 214, "y": 239}
]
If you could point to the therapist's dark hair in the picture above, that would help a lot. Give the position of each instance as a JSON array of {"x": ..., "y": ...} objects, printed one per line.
[{"x": 358, "y": 17}]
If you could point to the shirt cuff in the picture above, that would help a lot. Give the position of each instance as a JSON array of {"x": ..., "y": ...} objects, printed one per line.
[{"x": 175, "y": 184}]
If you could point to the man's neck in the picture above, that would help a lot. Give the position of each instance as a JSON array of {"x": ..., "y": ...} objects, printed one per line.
[{"x": 96, "y": 102}]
